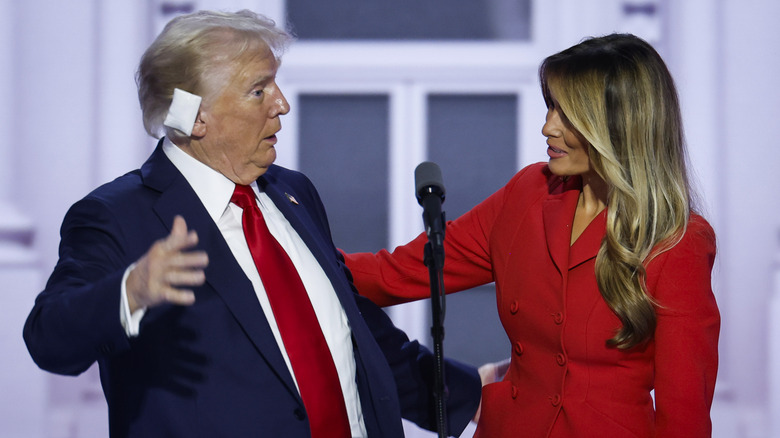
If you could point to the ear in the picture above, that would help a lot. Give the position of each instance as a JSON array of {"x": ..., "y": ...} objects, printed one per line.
[{"x": 199, "y": 128}]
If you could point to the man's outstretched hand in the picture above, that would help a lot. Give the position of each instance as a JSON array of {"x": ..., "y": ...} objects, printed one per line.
[{"x": 165, "y": 272}]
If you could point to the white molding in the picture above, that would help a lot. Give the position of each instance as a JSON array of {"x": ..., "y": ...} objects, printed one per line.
[
  {"x": 7, "y": 80},
  {"x": 407, "y": 149},
  {"x": 405, "y": 61}
]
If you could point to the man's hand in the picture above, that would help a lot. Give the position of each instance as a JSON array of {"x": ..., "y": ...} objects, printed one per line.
[{"x": 166, "y": 266}]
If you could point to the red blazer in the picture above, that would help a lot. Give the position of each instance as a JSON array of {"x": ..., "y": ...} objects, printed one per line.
[{"x": 564, "y": 380}]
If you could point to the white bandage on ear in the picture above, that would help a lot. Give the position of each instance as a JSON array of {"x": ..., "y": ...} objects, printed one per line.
[{"x": 183, "y": 111}]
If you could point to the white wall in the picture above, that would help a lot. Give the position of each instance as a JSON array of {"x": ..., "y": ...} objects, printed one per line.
[{"x": 751, "y": 205}]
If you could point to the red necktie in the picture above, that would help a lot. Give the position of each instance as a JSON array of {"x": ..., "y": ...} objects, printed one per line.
[{"x": 309, "y": 355}]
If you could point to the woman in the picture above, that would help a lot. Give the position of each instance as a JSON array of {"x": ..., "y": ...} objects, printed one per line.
[{"x": 602, "y": 270}]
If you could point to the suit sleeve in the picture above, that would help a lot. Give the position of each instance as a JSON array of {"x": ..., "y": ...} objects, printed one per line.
[
  {"x": 686, "y": 336},
  {"x": 413, "y": 367},
  {"x": 75, "y": 320}
]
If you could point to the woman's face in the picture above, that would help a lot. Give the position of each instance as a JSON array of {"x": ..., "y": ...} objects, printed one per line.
[{"x": 566, "y": 147}]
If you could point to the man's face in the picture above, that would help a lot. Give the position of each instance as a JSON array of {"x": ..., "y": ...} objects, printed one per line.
[{"x": 241, "y": 122}]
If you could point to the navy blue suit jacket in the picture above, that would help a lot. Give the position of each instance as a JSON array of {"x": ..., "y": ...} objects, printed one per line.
[{"x": 213, "y": 369}]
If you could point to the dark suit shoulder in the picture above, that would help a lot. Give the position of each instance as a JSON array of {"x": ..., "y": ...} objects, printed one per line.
[
  {"x": 278, "y": 174},
  {"x": 121, "y": 208},
  {"x": 119, "y": 189},
  {"x": 294, "y": 183}
]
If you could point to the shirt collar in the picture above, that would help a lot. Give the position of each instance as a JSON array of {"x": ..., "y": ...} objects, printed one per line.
[{"x": 213, "y": 188}]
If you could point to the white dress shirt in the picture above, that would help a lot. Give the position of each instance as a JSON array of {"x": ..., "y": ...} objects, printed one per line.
[{"x": 214, "y": 190}]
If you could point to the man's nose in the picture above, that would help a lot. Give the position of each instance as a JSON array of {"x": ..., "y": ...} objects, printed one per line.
[{"x": 280, "y": 106}]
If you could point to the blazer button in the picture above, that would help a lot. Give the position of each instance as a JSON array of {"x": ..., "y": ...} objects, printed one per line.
[
  {"x": 518, "y": 348},
  {"x": 558, "y": 317},
  {"x": 555, "y": 400},
  {"x": 561, "y": 359},
  {"x": 514, "y": 392},
  {"x": 299, "y": 414},
  {"x": 514, "y": 307}
]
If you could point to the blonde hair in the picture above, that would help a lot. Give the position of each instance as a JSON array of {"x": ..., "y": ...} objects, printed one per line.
[
  {"x": 617, "y": 92},
  {"x": 190, "y": 54}
]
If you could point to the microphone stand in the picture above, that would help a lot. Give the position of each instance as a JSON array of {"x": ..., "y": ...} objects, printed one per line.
[{"x": 434, "y": 260}]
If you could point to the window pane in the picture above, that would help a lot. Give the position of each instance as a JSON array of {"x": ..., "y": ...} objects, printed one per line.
[
  {"x": 410, "y": 19},
  {"x": 343, "y": 150},
  {"x": 473, "y": 138}
]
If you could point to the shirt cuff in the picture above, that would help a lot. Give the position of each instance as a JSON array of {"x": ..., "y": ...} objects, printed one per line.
[{"x": 131, "y": 322}]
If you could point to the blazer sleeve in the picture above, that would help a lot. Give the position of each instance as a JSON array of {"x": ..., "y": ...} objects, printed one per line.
[
  {"x": 75, "y": 320},
  {"x": 686, "y": 335},
  {"x": 390, "y": 278}
]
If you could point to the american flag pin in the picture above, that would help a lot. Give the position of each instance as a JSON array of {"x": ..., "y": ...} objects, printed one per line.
[{"x": 291, "y": 198}]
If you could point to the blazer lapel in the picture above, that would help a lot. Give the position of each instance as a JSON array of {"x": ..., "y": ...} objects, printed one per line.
[
  {"x": 557, "y": 215},
  {"x": 587, "y": 245},
  {"x": 223, "y": 273}
]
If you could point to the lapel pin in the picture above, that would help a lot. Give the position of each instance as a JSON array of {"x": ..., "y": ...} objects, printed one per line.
[{"x": 291, "y": 198}]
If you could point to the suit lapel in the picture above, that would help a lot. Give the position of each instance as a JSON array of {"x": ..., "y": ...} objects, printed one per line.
[
  {"x": 223, "y": 273},
  {"x": 300, "y": 217}
]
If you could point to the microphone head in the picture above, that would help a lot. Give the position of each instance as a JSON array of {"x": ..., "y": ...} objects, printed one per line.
[{"x": 427, "y": 180}]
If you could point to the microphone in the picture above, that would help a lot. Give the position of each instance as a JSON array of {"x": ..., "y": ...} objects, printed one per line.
[
  {"x": 430, "y": 195},
  {"x": 427, "y": 181}
]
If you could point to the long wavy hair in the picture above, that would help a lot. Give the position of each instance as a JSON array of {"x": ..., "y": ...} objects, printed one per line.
[{"x": 618, "y": 93}]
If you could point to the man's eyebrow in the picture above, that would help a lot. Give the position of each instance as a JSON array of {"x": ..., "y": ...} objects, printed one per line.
[
  {"x": 260, "y": 82},
  {"x": 264, "y": 77}
]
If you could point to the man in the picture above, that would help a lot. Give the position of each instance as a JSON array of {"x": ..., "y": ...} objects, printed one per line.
[{"x": 164, "y": 277}]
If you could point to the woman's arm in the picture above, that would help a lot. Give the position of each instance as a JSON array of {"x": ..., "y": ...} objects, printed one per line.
[
  {"x": 686, "y": 336},
  {"x": 389, "y": 278}
]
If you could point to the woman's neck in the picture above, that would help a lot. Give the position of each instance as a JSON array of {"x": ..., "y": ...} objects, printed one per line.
[
  {"x": 593, "y": 200},
  {"x": 594, "y": 195}
]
